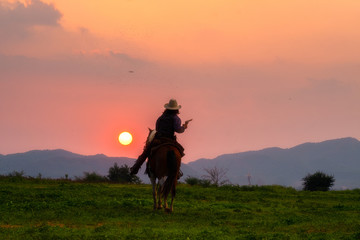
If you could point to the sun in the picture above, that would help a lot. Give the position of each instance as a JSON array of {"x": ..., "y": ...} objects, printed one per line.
[{"x": 125, "y": 138}]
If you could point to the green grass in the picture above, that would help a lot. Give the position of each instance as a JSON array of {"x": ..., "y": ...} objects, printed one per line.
[{"x": 40, "y": 209}]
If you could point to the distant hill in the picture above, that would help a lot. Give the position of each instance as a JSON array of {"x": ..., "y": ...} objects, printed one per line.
[
  {"x": 340, "y": 157},
  {"x": 57, "y": 163}
]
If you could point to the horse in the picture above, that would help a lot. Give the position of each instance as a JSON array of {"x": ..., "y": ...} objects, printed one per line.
[{"x": 163, "y": 165}]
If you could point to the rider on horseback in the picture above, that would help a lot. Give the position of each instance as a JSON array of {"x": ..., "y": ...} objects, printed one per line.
[{"x": 166, "y": 126}]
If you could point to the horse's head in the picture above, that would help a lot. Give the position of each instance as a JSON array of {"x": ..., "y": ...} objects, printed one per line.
[{"x": 151, "y": 135}]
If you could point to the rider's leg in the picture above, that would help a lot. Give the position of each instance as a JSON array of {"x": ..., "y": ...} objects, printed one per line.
[{"x": 141, "y": 159}]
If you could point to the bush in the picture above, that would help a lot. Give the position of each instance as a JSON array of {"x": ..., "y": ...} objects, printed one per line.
[
  {"x": 16, "y": 176},
  {"x": 192, "y": 181},
  {"x": 318, "y": 181},
  {"x": 89, "y": 177},
  {"x": 196, "y": 181},
  {"x": 122, "y": 175},
  {"x": 92, "y": 177}
]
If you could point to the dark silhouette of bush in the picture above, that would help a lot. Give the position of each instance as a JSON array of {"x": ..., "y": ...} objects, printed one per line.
[
  {"x": 318, "y": 181},
  {"x": 91, "y": 177},
  {"x": 122, "y": 175},
  {"x": 196, "y": 181},
  {"x": 16, "y": 176},
  {"x": 192, "y": 181}
]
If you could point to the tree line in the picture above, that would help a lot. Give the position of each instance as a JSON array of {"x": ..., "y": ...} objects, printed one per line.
[
  {"x": 116, "y": 174},
  {"x": 215, "y": 176}
]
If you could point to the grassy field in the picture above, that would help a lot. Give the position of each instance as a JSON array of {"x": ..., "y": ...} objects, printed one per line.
[{"x": 40, "y": 209}]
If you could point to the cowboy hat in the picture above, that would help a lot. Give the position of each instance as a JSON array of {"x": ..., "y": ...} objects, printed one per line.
[{"x": 172, "y": 105}]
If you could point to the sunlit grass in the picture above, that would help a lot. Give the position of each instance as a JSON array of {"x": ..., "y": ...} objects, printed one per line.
[{"x": 47, "y": 209}]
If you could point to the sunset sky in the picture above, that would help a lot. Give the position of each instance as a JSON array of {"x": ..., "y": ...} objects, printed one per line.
[{"x": 250, "y": 73}]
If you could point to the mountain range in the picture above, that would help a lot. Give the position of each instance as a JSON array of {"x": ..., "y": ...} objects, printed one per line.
[{"x": 338, "y": 157}]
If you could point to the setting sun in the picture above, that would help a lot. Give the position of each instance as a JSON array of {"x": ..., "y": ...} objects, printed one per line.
[{"x": 125, "y": 138}]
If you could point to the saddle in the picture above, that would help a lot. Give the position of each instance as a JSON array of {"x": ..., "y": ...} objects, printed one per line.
[
  {"x": 160, "y": 142},
  {"x": 157, "y": 143}
]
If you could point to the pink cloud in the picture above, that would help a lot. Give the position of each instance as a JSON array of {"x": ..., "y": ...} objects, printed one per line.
[{"x": 17, "y": 22}]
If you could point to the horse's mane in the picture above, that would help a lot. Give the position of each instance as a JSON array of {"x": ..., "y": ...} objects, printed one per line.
[{"x": 151, "y": 136}]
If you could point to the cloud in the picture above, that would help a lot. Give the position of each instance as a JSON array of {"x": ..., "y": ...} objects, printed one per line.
[
  {"x": 35, "y": 13},
  {"x": 18, "y": 22},
  {"x": 33, "y": 42},
  {"x": 34, "y": 31}
]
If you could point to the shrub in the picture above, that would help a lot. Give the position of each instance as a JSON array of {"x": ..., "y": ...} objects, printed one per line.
[
  {"x": 91, "y": 177},
  {"x": 318, "y": 181},
  {"x": 192, "y": 181},
  {"x": 122, "y": 175},
  {"x": 16, "y": 176},
  {"x": 196, "y": 181}
]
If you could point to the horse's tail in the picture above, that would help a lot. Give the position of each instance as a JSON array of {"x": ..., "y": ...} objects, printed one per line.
[{"x": 172, "y": 174}]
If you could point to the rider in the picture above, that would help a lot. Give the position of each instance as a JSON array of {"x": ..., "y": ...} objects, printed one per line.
[{"x": 166, "y": 126}]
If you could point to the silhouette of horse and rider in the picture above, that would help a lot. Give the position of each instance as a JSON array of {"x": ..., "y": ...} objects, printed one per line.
[{"x": 164, "y": 155}]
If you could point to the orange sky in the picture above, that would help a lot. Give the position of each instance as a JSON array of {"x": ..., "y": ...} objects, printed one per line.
[{"x": 252, "y": 74}]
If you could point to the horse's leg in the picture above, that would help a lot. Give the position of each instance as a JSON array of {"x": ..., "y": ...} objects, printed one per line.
[
  {"x": 153, "y": 182},
  {"x": 161, "y": 185},
  {"x": 171, "y": 204},
  {"x": 159, "y": 206},
  {"x": 166, "y": 204},
  {"x": 165, "y": 195},
  {"x": 172, "y": 198}
]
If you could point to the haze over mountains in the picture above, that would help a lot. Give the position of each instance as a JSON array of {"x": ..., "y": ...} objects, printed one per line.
[
  {"x": 339, "y": 157},
  {"x": 58, "y": 163}
]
